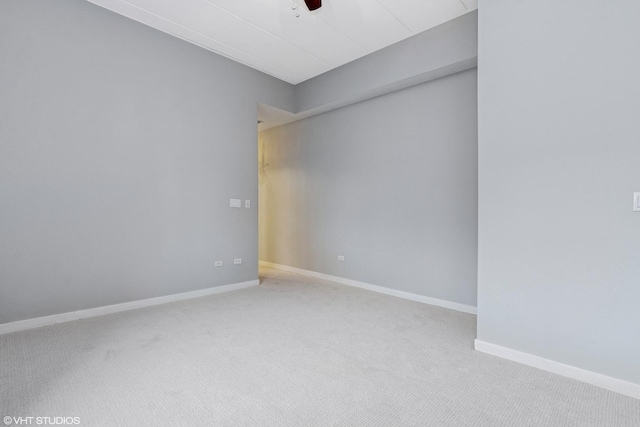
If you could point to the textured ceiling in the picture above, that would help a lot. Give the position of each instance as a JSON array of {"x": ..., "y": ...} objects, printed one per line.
[{"x": 267, "y": 35}]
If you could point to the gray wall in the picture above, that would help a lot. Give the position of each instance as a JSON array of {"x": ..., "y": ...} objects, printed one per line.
[
  {"x": 390, "y": 183},
  {"x": 120, "y": 147},
  {"x": 439, "y": 51},
  {"x": 559, "y": 144}
]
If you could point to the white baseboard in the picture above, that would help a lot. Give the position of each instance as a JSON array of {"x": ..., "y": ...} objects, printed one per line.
[
  {"x": 600, "y": 380},
  {"x": 375, "y": 288},
  {"x": 38, "y": 322}
]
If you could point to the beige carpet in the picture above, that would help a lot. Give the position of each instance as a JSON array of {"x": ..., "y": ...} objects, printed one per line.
[{"x": 293, "y": 352}]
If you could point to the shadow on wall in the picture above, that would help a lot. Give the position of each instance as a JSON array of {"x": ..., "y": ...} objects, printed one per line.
[
  {"x": 265, "y": 191},
  {"x": 263, "y": 177}
]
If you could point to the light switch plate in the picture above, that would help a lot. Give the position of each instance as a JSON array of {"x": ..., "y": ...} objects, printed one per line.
[
  {"x": 636, "y": 202},
  {"x": 247, "y": 204}
]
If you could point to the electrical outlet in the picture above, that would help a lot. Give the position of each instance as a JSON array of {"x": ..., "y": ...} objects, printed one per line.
[
  {"x": 636, "y": 202},
  {"x": 340, "y": 257},
  {"x": 247, "y": 204},
  {"x": 235, "y": 203},
  {"x": 237, "y": 261},
  {"x": 218, "y": 263}
]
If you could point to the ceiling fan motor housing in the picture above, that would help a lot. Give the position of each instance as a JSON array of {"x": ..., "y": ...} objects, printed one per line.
[{"x": 313, "y": 4}]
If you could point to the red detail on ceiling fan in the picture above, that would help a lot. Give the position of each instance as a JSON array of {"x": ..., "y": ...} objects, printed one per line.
[{"x": 313, "y": 4}]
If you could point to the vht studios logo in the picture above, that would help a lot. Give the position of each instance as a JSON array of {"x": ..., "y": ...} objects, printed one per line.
[{"x": 41, "y": 421}]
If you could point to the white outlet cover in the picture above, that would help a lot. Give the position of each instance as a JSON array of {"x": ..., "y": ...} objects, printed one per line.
[
  {"x": 237, "y": 261},
  {"x": 636, "y": 202},
  {"x": 247, "y": 204},
  {"x": 218, "y": 263},
  {"x": 235, "y": 203},
  {"x": 340, "y": 257}
]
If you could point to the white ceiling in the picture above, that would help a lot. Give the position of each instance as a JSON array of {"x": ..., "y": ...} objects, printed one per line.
[{"x": 266, "y": 35}]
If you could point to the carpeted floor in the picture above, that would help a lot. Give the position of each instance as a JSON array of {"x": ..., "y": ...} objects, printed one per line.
[{"x": 293, "y": 352}]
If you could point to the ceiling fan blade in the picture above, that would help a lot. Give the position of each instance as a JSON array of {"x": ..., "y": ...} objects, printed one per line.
[{"x": 313, "y": 4}]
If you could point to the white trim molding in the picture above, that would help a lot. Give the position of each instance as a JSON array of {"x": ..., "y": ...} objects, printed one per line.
[
  {"x": 593, "y": 378},
  {"x": 375, "y": 288},
  {"x": 38, "y": 322}
]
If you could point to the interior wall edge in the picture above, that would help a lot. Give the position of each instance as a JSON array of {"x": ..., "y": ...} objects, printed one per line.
[
  {"x": 428, "y": 76},
  {"x": 376, "y": 288},
  {"x": 38, "y": 322},
  {"x": 600, "y": 380}
]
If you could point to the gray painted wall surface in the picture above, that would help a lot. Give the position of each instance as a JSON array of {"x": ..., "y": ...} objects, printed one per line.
[
  {"x": 390, "y": 183},
  {"x": 559, "y": 144},
  {"x": 120, "y": 147},
  {"x": 443, "y": 50}
]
